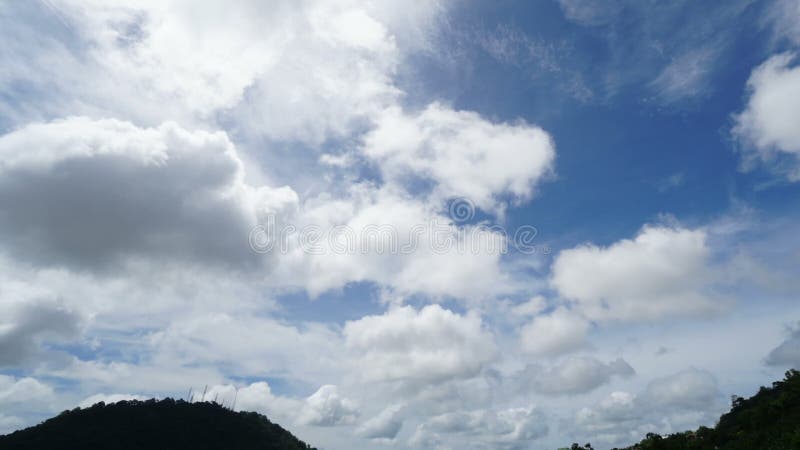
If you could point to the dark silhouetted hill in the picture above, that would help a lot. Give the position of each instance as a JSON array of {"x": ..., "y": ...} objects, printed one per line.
[
  {"x": 769, "y": 420},
  {"x": 154, "y": 425}
]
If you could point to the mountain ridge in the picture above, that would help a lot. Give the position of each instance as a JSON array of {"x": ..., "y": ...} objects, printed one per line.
[{"x": 166, "y": 424}]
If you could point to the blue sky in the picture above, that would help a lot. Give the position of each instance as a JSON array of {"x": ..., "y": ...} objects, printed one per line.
[{"x": 148, "y": 150}]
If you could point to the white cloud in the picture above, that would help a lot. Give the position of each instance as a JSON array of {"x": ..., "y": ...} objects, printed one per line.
[
  {"x": 558, "y": 332},
  {"x": 9, "y": 424},
  {"x": 782, "y": 15},
  {"x": 575, "y": 375},
  {"x": 677, "y": 402},
  {"x": 120, "y": 202},
  {"x": 385, "y": 426},
  {"x": 305, "y": 71},
  {"x": 125, "y": 185},
  {"x": 259, "y": 397},
  {"x": 144, "y": 377},
  {"x": 671, "y": 182},
  {"x": 513, "y": 428},
  {"x": 26, "y": 324},
  {"x": 767, "y": 126},
  {"x": 591, "y": 13},
  {"x": 249, "y": 345},
  {"x": 256, "y": 397},
  {"x": 455, "y": 394},
  {"x": 532, "y": 307},
  {"x": 22, "y": 398},
  {"x": 672, "y": 49},
  {"x": 327, "y": 407},
  {"x": 145, "y": 296},
  {"x": 616, "y": 419},
  {"x": 411, "y": 248},
  {"x": 84, "y": 192},
  {"x": 688, "y": 75},
  {"x": 662, "y": 272},
  {"x": 688, "y": 389},
  {"x": 537, "y": 57},
  {"x": 23, "y": 392},
  {"x": 461, "y": 153},
  {"x": 419, "y": 346},
  {"x": 787, "y": 354}
]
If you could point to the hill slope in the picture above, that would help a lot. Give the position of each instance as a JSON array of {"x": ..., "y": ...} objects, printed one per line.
[
  {"x": 154, "y": 425},
  {"x": 769, "y": 420}
]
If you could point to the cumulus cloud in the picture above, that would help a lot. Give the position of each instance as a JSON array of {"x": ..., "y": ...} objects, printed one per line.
[
  {"x": 249, "y": 345},
  {"x": 513, "y": 428},
  {"x": 305, "y": 71},
  {"x": 256, "y": 396},
  {"x": 127, "y": 192},
  {"x": 144, "y": 377},
  {"x": 787, "y": 354},
  {"x": 205, "y": 348},
  {"x": 558, "y": 332},
  {"x": 23, "y": 392},
  {"x": 114, "y": 193},
  {"x": 662, "y": 272},
  {"x": 615, "y": 419},
  {"x": 9, "y": 424},
  {"x": 452, "y": 395},
  {"x": 766, "y": 127},
  {"x": 25, "y": 326},
  {"x": 89, "y": 193},
  {"x": 574, "y": 375},
  {"x": 326, "y": 408},
  {"x": 385, "y": 426},
  {"x": 21, "y": 398},
  {"x": 688, "y": 389},
  {"x": 669, "y": 404},
  {"x": 94, "y": 175},
  {"x": 460, "y": 153},
  {"x": 157, "y": 189},
  {"x": 396, "y": 241},
  {"x": 532, "y": 307},
  {"x": 419, "y": 346}
]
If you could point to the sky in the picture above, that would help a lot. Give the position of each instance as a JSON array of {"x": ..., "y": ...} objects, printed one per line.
[{"x": 426, "y": 225}]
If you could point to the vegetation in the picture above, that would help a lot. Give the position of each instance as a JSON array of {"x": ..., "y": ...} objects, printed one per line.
[
  {"x": 769, "y": 420},
  {"x": 163, "y": 425}
]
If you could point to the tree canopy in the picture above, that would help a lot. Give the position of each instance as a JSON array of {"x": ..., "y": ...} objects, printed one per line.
[{"x": 165, "y": 425}]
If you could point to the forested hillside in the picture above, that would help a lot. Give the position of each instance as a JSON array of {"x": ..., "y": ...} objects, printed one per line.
[{"x": 162, "y": 425}]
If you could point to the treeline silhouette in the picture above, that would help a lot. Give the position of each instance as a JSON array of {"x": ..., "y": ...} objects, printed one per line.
[
  {"x": 154, "y": 425},
  {"x": 769, "y": 420}
]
